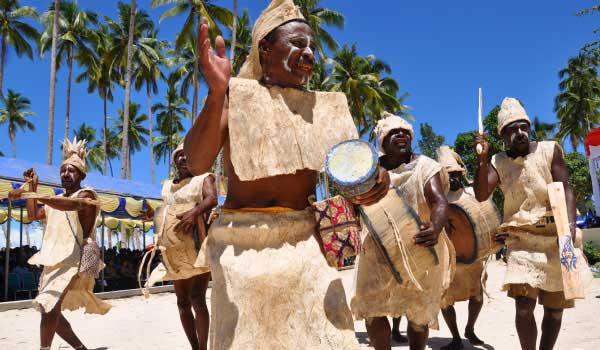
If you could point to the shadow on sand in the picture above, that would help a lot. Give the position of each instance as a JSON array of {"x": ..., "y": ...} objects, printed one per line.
[{"x": 437, "y": 342}]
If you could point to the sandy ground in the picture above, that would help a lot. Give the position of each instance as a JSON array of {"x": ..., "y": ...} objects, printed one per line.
[{"x": 135, "y": 323}]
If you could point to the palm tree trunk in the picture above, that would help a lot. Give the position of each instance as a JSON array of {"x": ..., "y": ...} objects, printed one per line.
[
  {"x": 12, "y": 136},
  {"x": 195, "y": 97},
  {"x": 233, "y": 33},
  {"x": 125, "y": 143},
  {"x": 129, "y": 166},
  {"x": 2, "y": 61},
  {"x": 149, "y": 92},
  {"x": 68, "y": 107},
  {"x": 109, "y": 236},
  {"x": 104, "y": 136},
  {"x": 52, "y": 84}
]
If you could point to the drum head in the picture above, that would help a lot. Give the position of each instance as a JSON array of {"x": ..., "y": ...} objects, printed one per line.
[
  {"x": 351, "y": 162},
  {"x": 461, "y": 232}
]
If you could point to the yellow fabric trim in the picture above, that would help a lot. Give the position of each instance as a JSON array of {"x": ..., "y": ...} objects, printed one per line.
[
  {"x": 133, "y": 207},
  {"x": 259, "y": 210},
  {"x": 15, "y": 215},
  {"x": 153, "y": 203},
  {"x": 5, "y": 186},
  {"x": 109, "y": 203},
  {"x": 3, "y": 216},
  {"x": 45, "y": 190}
]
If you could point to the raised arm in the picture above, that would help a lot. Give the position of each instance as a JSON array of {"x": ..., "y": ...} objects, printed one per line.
[
  {"x": 438, "y": 204},
  {"x": 486, "y": 177},
  {"x": 560, "y": 173},
  {"x": 207, "y": 135},
  {"x": 33, "y": 211}
]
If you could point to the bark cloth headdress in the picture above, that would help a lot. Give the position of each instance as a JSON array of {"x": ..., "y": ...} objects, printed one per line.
[
  {"x": 177, "y": 150},
  {"x": 510, "y": 111},
  {"x": 451, "y": 161},
  {"x": 388, "y": 123},
  {"x": 75, "y": 153},
  {"x": 277, "y": 13}
]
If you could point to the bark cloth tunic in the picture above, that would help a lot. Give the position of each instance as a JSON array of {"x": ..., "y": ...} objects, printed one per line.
[
  {"x": 178, "y": 249},
  {"x": 60, "y": 255},
  {"x": 273, "y": 288},
  {"x": 377, "y": 291},
  {"x": 533, "y": 257},
  {"x": 467, "y": 282}
]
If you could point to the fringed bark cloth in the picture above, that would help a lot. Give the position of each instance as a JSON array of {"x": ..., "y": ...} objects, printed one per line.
[
  {"x": 60, "y": 255},
  {"x": 533, "y": 258},
  {"x": 178, "y": 249},
  {"x": 467, "y": 283},
  {"x": 272, "y": 287},
  {"x": 54, "y": 282}
]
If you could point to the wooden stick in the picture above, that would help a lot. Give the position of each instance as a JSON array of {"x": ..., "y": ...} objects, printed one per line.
[
  {"x": 34, "y": 195},
  {"x": 479, "y": 148},
  {"x": 569, "y": 264}
]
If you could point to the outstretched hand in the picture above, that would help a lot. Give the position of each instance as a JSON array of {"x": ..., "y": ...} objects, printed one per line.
[{"x": 216, "y": 68}]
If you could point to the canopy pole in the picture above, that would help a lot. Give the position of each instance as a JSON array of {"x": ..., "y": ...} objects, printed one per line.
[
  {"x": 7, "y": 257},
  {"x": 143, "y": 235},
  {"x": 595, "y": 186},
  {"x": 21, "y": 229},
  {"x": 102, "y": 242}
]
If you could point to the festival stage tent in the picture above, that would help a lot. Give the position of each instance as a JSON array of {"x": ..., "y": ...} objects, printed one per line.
[
  {"x": 592, "y": 149},
  {"x": 122, "y": 201}
]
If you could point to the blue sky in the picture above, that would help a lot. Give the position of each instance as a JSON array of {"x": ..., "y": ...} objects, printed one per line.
[{"x": 440, "y": 53}]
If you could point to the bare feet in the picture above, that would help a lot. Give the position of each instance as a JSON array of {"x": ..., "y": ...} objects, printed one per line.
[
  {"x": 470, "y": 334},
  {"x": 398, "y": 337},
  {"x": 455, "y": 344}
]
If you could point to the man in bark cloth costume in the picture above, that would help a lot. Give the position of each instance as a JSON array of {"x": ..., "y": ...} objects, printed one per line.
[
  {"x": 523, "y": 173},
  {"x": 467, "y": 282},
  {"x": 69, "y": 253},
  {"x": 378, "y": 294},
  {"x": 273, "y": 288},
  {"x": 188, "y": 200}
]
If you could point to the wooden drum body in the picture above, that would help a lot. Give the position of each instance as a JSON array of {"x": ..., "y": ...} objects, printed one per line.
[
  {"x": 471, "y": 227},
  {"x": 393, "y": 223}
]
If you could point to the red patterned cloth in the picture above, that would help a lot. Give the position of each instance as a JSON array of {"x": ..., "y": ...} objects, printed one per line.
[{"x": 339, "y": 228}]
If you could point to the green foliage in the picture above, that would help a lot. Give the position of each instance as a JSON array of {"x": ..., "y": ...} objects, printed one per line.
[
  {"x": 463, "y": 145},
  {"x": 579, "y": 177},
  {"x": 430, "y": 141},
  {"x": 577, "y": 105},
  {"x": 317, "y": 17},
  {"x": 591, "y": 253}
]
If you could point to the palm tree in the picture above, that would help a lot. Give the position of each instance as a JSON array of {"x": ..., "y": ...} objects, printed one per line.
[
  {"x": 579, "y": 99},
  {"x": 360, "y": 78},
  {"x": 242, "y": 42},
  {"x": 195, "y": 9},
  {"x": 94, "y": 148},
  {"x": 52, "y": 95},
  {"x": 317, "y": 17},
  {"x": 74, "y": 38},
  {"x": 126, "y": 35},
  {"x": 169, "y": 119},
  {"x": 101, "y": 76},
  {"x": 542, "y": 130},
  {"x": 136, "y": 132},
  {"x": 15, "y": 32},
  {"x": 147, "y": 75},
  {"x": 125, "y": 148},
  {"x": 15, "y": 112}
]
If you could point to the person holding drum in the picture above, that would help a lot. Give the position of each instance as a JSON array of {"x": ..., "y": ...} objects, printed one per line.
[
  {"x": 379, "y": 293},
  {"x": 273, "y": 288},
  {"x": 180, "y": 230},
  {"x": 467, "y": 282},
  {"x": 523, "y": 172}
]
